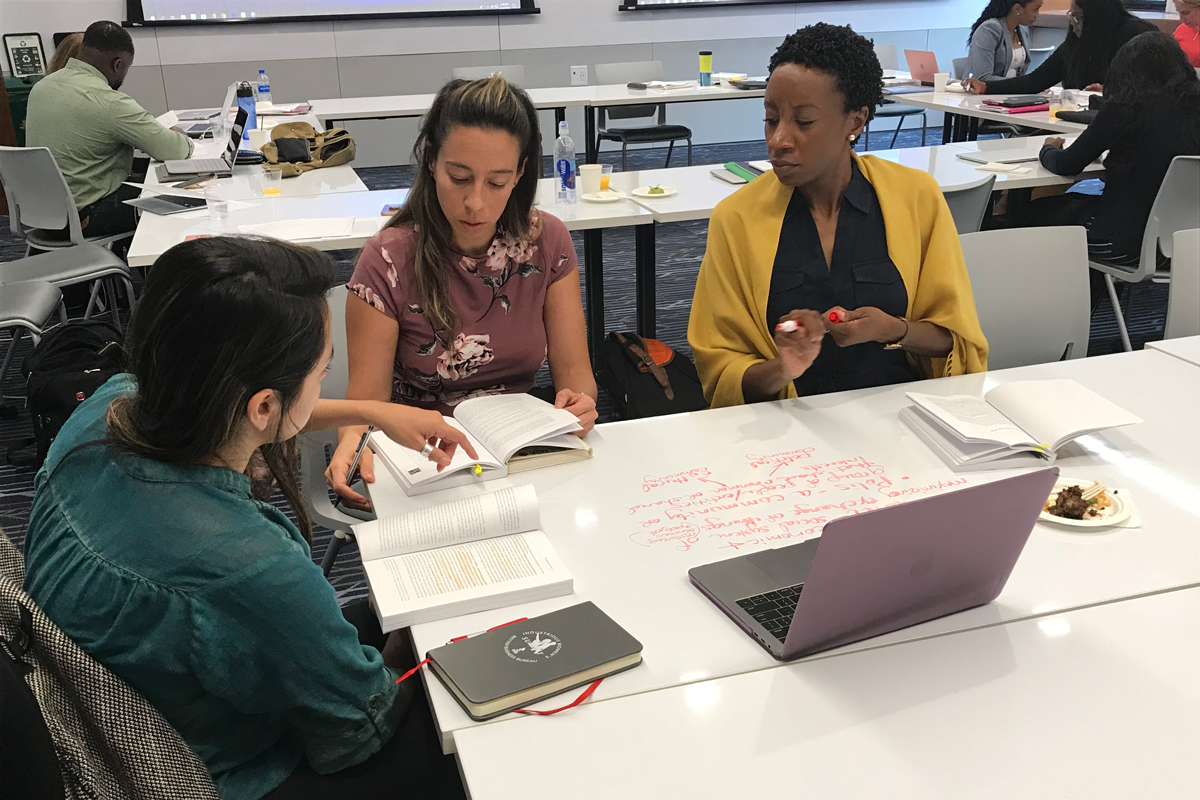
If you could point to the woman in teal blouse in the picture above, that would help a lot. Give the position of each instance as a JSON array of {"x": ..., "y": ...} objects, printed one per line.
[{"x": 146, "y": 546}]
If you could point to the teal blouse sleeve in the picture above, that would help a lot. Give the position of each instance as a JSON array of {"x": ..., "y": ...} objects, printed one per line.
[{"x": 271, "y": 640}]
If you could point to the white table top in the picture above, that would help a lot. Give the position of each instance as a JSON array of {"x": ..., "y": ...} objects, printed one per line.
[
  {"x": 1100, "y": 703},
  {"x": 630, "y": 522},
  {"x": 972, "y": 106},
  {"x": 582, "y": 215},
  {"x": 698, "y": 192},
  {"x": 414, "y": 105},
  {"x": 241, "y": 186},
  {"x": 155, "y": 235},
  {"x": 1187, "y": 348}
]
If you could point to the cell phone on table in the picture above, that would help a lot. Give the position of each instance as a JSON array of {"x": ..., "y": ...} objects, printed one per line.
[
  {"x": 639, "y": 86},
  {"x": 728, "y": 177}
]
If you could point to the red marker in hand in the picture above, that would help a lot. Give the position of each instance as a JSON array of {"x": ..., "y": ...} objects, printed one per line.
[
  {"x": 787, "y": 326},
  {"x": 833, "y": 317}
]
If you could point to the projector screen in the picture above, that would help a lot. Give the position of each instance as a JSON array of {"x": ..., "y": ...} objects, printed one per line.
[{"x": 201, "y": 12}]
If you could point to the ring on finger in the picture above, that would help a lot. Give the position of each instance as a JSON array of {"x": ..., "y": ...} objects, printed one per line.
[{"x": 426, "y": 450}]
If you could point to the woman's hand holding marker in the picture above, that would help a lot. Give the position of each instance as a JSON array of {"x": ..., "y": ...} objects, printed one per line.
[
  {"x": 798, "y": 337},
  {"x": 867, "y": 324}
]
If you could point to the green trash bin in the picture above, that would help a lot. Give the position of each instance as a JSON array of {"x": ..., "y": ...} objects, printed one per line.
[{"x": 18, "y": 100}]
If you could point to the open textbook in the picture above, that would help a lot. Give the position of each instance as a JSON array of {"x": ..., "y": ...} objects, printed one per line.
[
  {"x": 510, "y": 432},
  {"x": 460, "y": 557},
  {"x": 1022, "y": 423}
]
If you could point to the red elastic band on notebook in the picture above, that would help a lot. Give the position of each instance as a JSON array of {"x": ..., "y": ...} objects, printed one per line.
[
  {"x": 584, "y": 696},
  {"x": 413, "y": 671}
]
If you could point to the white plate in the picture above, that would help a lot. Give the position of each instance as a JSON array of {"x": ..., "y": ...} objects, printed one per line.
[
  {"x": 601, "y": 197},
  {"x": 644, "y": 191},
  {"x": 1120, "y": 514}
]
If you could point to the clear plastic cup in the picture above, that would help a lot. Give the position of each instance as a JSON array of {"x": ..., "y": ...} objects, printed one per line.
[
  {"x": 272, "y": 179},
  {"x": 217, "y": 200},
  {"x": 606, "y": 171}
]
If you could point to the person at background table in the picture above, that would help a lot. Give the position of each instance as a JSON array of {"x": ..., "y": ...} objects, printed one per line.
[
  {"x": 830, "y": 231},
  {"x": 67, "y": 49},
  {"x": 467, "y": 291},
  {"x": 1151, "y": 114},
  {"x": 1096, "y": 31},
  {"x": 92, "y": 128},
  {"x": 147, "y": 548},
  {"x": 1188, "y": 32},
  {"x": 998, "y": 45}
]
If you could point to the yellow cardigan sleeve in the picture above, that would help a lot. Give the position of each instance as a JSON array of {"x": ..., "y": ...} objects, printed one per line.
[
  {"x": 727, "y": 329},
  {"x": 923, "y": 243}
]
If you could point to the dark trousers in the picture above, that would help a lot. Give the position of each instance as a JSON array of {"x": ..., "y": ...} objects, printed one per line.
[
  {"x": 109, "y": 215},
  {"x": 1067, "y": 209},
  {"x": 410, "y": 764}
]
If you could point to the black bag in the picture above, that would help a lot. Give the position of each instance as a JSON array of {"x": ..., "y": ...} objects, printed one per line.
[
  {"x": 646, "y": 378},
  {"x": 68, "y": 365}
]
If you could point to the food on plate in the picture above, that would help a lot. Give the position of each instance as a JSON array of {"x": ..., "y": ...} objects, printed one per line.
[
  {"x": 1069, "y": 503},
  {"x": 656, "y": 190}
]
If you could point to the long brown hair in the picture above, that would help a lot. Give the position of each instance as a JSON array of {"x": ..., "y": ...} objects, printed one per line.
[
  {"x": 67, "y": 49},
  {"x": 492, "y": 104},
  {"x": 218, "y": 321}
]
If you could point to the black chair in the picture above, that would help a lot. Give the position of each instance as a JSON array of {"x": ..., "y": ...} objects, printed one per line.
[{"x": 641, "y": 72}]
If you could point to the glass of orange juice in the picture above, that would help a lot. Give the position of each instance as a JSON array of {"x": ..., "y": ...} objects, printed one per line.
[{"x": 606, "y": 171}]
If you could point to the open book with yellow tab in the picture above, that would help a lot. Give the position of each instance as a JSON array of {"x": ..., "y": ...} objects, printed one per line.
[
  {"x": 510, "y": 432},
  {"x": 456, "y": 558},
  {"x": 1017, "y": 424}
]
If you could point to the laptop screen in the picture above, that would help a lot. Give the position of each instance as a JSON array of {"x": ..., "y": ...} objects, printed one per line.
[{"x": 235, "y": 138}]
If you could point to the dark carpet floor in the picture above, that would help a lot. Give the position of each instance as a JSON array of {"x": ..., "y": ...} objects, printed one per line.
[{"x": 680, "y": 247}]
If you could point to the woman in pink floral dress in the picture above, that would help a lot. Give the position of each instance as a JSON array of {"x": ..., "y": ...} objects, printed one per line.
[{"x": 468, "y": 290}]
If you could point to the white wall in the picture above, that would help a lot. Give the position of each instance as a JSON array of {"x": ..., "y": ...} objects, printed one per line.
[{"x": 180, "y": 67}]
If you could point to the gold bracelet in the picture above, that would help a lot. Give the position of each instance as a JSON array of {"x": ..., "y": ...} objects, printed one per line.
[{"x": 899, "y": 343}]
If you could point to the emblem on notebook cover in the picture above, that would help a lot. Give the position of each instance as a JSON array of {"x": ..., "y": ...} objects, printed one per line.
[{"x": 532, "y": 647}]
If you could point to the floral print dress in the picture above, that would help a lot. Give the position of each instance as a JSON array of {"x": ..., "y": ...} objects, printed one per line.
[{"x": 500, "y": 343}]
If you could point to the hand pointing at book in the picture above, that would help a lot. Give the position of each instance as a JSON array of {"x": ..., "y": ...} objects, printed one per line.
[{"x": 412, "y": 427}]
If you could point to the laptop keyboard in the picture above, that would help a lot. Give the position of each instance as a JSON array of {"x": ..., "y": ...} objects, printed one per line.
[{"x": 773, "y": 610}]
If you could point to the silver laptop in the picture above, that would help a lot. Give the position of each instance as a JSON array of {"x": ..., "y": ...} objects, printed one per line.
[
  {"x": 221, "y": 167},
  {"x": 208, "y": 120},
  {"x": 880, "y": 571},
  {"x": 1015, "y": 155}
]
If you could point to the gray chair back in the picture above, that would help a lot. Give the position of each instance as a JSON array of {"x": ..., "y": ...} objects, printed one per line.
[
  {"x": 37, "y": 193},
  {"x": 957, "y": 67},
  {"x": 336, "y": 382},
  {"x": 1030, "y": 327},
  {"x": 623, "y": 72},
  {"x": 1183, "y": 302},
  {"x": 970, "y": 203},
  {"x": 513, "y": 73}
]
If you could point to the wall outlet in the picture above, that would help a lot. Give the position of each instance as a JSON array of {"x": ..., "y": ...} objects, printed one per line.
[{"x": 579, "y": 76}]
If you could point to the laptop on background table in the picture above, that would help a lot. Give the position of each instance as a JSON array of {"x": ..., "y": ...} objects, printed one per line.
[
  {"x": 207, "y": 121},
  {"x": 1014, "y": 155},
  {"x": 922, "y": 64},
  {"x": 880, "y": 571},
  {"x": 220, "y": 167}
]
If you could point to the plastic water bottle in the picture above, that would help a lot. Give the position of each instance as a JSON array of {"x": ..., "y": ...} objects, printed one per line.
[
  {"x": 564, "y": 166},
  {"x": 264, "y": 87},
  {"x": 245, "y": 99}
]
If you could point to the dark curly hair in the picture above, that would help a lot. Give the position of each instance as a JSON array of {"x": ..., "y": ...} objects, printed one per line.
[{"x": 840, "y": 52}]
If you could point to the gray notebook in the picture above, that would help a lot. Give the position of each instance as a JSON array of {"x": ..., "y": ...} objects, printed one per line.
[{"x": 518, "y": 664}]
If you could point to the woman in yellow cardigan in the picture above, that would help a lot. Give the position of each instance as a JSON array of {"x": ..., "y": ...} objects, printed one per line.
[{"x": 861, "y": 254}]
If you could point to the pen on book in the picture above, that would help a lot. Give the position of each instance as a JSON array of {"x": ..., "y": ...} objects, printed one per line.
[
  {"x": 489, "y": 630},
  {"x": 362, "y": 444}
]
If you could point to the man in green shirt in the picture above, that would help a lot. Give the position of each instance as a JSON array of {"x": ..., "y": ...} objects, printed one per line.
[{"x": 92, "y": 129}]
